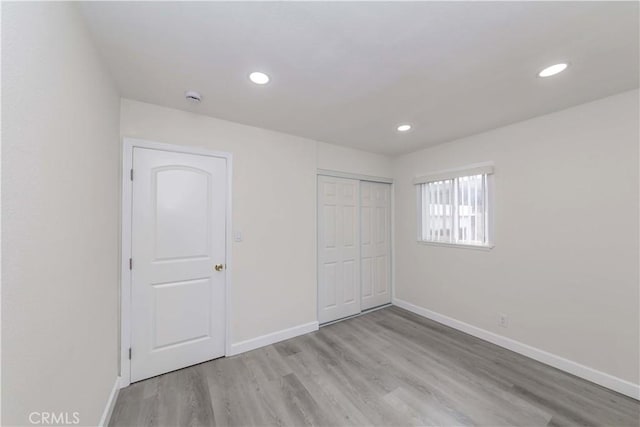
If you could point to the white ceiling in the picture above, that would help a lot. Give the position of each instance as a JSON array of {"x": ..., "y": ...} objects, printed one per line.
[{"x": 348, "y": 73}]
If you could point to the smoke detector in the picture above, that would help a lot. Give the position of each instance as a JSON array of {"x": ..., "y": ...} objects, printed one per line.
[{"x": 193, "y": 96}]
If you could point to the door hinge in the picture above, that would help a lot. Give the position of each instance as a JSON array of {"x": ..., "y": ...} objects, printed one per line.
[
  {"x": 130, "y": 263},
  {"x": 129, "y": 353},
  {"x": 131, "y": 174}
]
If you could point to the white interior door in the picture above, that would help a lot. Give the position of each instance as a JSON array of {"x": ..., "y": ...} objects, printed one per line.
[
  {"x": 338, "y": 248},
  {"x": 375, "y": 208},
  {"x": 178, "y": 236}
]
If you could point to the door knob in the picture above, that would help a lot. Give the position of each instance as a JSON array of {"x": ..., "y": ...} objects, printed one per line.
[{"x": 219, "y": 267}]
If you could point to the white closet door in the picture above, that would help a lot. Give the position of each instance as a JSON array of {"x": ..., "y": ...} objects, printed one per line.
[
  {"x": 375, "y": 207},
  {"x": 338, "y": 248}
]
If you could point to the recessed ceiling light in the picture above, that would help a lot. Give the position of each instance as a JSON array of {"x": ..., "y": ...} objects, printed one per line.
[
  {"x": 553, "y": 70},
  {"x": 404, "y": 128},
  {"x": 259, "y": 78}
]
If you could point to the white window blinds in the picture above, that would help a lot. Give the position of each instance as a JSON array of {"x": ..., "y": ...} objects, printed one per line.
[{"x": 455, "y": 209}]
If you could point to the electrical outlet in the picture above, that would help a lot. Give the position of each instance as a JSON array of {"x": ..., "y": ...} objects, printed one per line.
[{"x": 503, "y": 320}]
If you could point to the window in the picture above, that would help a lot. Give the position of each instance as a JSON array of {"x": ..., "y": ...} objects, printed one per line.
[{"x": 454, "y": 207}]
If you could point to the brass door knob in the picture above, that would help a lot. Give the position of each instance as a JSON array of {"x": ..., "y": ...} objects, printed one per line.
[{"x": 219, "y": 267}]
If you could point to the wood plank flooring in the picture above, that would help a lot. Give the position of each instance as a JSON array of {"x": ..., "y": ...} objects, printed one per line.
[{"x": 387, "y": 367}]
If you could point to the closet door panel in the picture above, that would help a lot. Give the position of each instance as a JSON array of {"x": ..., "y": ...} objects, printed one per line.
[
  {"x": 375, "y": 205},
  {"x": 338, "y": 248}
]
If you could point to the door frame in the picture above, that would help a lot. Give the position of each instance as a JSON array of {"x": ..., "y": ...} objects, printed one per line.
[
  {"x": 392, "y": 260},
  {"x": 128, "y": 144}
]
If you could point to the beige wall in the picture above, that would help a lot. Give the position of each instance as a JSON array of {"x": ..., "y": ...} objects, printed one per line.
[
  {"x": 273, "y": 272},
  {"x": 344, "y": 159},
  {"x": 274, "y": 206},
  {"x": 565, "y": 265},
  {"x": 60, "y": 160}
]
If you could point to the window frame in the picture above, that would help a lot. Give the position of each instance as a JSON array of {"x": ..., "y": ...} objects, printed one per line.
[{"x": 472, "y": 170}]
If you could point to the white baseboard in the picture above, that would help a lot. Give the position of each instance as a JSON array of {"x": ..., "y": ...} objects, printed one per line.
[
  {"x": 609, "y": 381},
  {"x": 274, "y": 337},
  {"x": 111, "y": 403}
]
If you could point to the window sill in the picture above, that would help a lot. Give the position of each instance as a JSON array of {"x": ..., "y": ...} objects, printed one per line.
[{"x": 458, "y": 245}]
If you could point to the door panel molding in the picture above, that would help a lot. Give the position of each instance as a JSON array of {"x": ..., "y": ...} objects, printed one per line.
[{"x": 128, "y": 145}]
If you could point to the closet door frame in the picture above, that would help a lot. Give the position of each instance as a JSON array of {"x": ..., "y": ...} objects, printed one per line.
[{"x": 370, "y": 178}]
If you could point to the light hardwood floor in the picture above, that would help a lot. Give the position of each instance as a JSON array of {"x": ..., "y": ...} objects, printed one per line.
[{"x": 387, "y": 367}]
